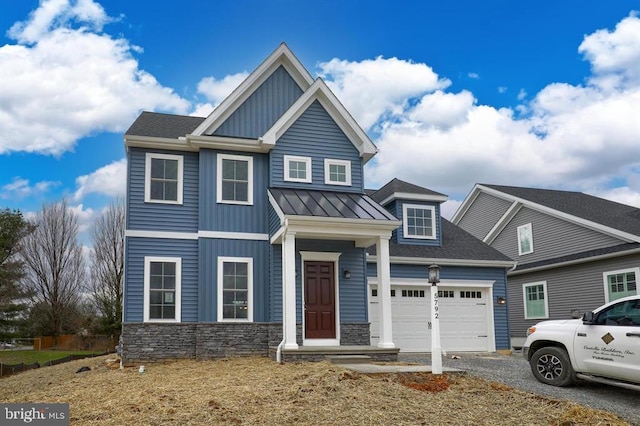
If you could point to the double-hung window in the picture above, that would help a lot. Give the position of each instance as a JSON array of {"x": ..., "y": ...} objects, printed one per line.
[
  {"x": 235, "y": 289},
  {"x": 337, "y": 172},
  {"x": 162, "y": 282},
  {"x": 525, "y": 239},
  {"x": 535, "y": 300},
  {"x": 297, "y": 169},
  {"x": 418, "y": 221},
  {"x": 235, "y": 179},
  {"x": 620, "y": 283},
  {"x": 163, "y": 178}
]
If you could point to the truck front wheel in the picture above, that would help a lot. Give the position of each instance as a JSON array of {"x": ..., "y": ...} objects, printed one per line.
[{"x": 551, "y": 365}]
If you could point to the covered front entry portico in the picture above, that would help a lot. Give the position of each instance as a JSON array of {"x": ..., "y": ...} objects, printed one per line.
[{"x": 323, "y": 221}]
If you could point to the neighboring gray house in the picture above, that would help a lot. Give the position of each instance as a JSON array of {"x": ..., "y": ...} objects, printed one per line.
[{"x": 574, "y": 252}]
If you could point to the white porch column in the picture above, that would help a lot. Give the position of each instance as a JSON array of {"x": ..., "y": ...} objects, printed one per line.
[
  {"x": 289, "y": 290},
  {"x": 384, "y": 293}
]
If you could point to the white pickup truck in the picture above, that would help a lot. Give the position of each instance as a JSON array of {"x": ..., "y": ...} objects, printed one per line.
[{"x": 603, "y": 346}]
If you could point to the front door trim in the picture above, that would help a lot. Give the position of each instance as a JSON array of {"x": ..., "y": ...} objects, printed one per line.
[{"x": 320, "y": 256}]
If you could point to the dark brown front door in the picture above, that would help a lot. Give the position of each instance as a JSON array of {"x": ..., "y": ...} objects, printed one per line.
[{"x": 319, "y": 300}]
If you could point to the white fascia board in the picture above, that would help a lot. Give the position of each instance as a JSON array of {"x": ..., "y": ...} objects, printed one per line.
[
  {"x": 445, "y": 262},
  {"x": 464, "y": 207},
  {"x": 227, "y": 143},
  {"x": 502, "y": 222},
  {"x": 158, "y": 143},
  {"x": 276, "y": 207},
  {"x": 414, "y": 197},
  {"x": 564, "y": 216},
  {"x": 320, "y": 91},
  {"x": 281, "y": 56}
]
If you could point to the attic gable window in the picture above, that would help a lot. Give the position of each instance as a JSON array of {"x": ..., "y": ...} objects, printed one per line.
[
  {"x": 297, "y": 169},
  {"x": 163, "y": 178},
  {"x": 337, "y": 172},
  {"x": 234, "y": 179},
  {"x": 525, "y": 239},
  {"x": 419, "y": 221}
]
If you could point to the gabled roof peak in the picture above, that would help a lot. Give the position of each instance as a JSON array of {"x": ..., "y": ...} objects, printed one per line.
[{"x": 399, "y": 189}]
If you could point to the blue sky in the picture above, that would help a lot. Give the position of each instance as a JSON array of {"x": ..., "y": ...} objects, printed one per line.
[{"x": 542, "y": 94}]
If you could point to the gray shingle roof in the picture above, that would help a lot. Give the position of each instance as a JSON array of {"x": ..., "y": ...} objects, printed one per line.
[
  {"x": 345, "y": 205},
  {"x": 456, "y": 244},
  {"x": 608, "y": 213},
  {"x": 159, "y": 125},
  {"x": 397, "y": 185}
]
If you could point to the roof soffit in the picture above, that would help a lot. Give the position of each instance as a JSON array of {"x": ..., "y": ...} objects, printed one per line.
[{"x": 282, "y": 56}]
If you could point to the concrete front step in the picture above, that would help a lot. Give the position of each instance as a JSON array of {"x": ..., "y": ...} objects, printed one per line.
[{"x": 349, "y": 359}]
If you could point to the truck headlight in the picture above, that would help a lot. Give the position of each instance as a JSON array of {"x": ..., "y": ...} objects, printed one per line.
[{"x": 530, "y": 331}]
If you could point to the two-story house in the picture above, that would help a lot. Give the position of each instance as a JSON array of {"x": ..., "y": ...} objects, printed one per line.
[
  {"x": 574, "y": 251},
  {"x": 247, "y": 231}
]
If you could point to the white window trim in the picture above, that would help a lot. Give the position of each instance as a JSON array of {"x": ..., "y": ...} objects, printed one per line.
[
  {"x": 306, "y": 160},
  {"x": 249, "y": 262},
  {"x": 327, "y": 176},
  {"x": 147, "y": 287},
  {"x": 546, "y": 299},
  {"x": 605, "y": 281},
  {"x": 522, "y": 229},
  {"x": 147, "y": 176},
  {"x": 405, "y": 224},
  {"x": 246, "y": 158}
]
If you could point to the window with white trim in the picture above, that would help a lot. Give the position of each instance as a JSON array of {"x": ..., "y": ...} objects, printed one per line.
[
  {"x": 337, "y": 172},
  {"x": 525, "y": 239},
  {"x": 535, "y": 300},
  {"x": 621, "y": 283},
  {"x": 297, "y": 169},
  {"x": 235, "y": 289},
  {"x": 235, "y": 179},
  {"x": 162, "y": 284},
  {"x": 419, "y": 221},
  {"x": 163, "y": 178}
]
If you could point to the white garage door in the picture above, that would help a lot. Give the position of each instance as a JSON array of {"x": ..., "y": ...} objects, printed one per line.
[{"x": 464, "y": 319}]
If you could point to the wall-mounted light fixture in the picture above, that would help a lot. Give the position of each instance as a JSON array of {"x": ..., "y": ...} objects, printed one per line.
[
  {"x": 501, "y": 300},
  {"x": 346, "y": 274}
]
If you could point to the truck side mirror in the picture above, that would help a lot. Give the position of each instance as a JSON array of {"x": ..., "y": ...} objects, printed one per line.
[{"x": 588, "y": 318}]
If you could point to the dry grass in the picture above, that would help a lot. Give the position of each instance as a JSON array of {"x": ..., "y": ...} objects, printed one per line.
[{"x": 259, "y": 391}]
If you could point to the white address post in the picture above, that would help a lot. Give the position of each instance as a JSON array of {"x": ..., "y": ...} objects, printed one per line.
[{"x": 436, "y": 349}]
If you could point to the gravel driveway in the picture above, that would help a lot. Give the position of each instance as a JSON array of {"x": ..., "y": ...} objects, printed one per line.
[{"x": 515, "y": 371}]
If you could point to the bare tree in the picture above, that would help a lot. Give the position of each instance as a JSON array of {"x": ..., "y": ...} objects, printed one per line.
[
  {"x": 55, "y": 269},
  {"x": 107, "y": 266}
]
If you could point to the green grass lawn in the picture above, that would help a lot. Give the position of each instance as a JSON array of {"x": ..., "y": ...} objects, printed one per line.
[{"x": 30, "y": 356}]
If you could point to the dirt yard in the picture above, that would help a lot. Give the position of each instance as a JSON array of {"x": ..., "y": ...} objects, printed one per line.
[{"x": 253, "y": 391}]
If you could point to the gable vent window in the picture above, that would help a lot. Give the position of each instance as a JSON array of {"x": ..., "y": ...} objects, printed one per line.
[{"x": 525, "y": 239}]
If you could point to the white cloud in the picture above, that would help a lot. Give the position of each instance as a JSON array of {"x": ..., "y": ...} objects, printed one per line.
[
  {"x": 202, "y": 110},
  {"x": 502, "y": 89},
  {"x": 108, "y": 180},
  {"x": 86, "y": 218},
  {"x": 216, "y": 90},
  {"x": 381, "y": 87},
  {"x": 473, "y": 75},
  {"x": 580, "y": 137},
  {"x": 20, "y": 188},
  {"x": 85, "y": 81},
  {"x": 522, "y": 94}
]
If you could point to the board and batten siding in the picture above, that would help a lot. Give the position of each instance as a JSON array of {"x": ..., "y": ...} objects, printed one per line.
[
  {"x": 139, "y": 248},
  {"x": 216, "y": 216},
  {"x": 316, "y": 135},
  {"x": 579, "y": 286},
  {"x": 552, "y": 237},
  {"x": 483, "y": 214},
  {"x": 263, "y": 108},
  {"x": 212, "y": 248},
  {"x": 162, "y": 217}
]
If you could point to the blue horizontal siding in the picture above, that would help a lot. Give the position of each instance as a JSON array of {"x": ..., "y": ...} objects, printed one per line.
[
  {"x": 316, "y": 135},
  {"x": 136, "y": 250},
  {"x": 263, "y": 108},
  {"x": 161, "y": 217},
  {"x": 216, "y": 216},
  {"x": 210, "y": 249}
]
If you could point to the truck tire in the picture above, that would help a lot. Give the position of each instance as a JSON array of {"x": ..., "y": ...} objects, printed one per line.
[{"x": 551, "y": 365}]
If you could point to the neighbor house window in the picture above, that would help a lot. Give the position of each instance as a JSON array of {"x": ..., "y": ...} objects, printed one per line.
[
  {"x": 235, "y": 288},
  {"x": 621, "y": 283},
  {"x": 297, "y": 169},
  {"x": 419, "y": 221},
  {"x": 535, "y": 300},
  {"x": 337, "y": 172},
  {"x": 525, "y": 239},
  {"x": 163, "y": 178},
  {"x": 235, "y": 179},
  {"x": 162, "y": 282}
]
